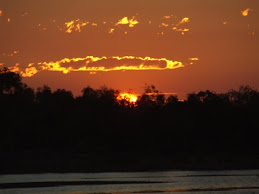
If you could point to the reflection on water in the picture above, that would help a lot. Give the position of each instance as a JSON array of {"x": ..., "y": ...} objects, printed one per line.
[{"x": 239, "y": 181}]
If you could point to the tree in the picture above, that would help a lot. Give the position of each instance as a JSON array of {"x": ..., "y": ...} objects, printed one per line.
[
  {"x": 151, "y": 97},
  {"x": 13, "y": 90},
  {"x": 43, "y": 95},
  {"x": 62, "y": 98},
  {"x": 206, "y": 97},
  {"x": 244, "y": 95},
  {"x": 10, "y": 82},
  {"x": 172, "y": 99}
]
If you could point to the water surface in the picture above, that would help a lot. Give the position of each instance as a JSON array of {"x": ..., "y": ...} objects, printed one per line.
[{"x": 234, "y": 181}]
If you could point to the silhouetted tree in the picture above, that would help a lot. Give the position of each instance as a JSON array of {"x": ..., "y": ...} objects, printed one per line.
[
  {"x": 151, "y": 98},
  {"x": 193, "y": 98},
  {"x": 13, "y": 90},
  {"x": 89, "y": 96},
  {"x": 10, "y": 82},
  {"x": 44, "y": 95},
  {"x": 244, "y": 95},
  {"x": 63, "y": 97},
  {"x": 172, "y": 99}
]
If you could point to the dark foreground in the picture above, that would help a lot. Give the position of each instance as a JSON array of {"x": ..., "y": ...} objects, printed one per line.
[
  {"x": 51, "y": 162},
  {"x": 47, "y": 131}
]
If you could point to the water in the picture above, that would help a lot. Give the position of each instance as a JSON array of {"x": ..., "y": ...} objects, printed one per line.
[{"x": 236, "y": 181}]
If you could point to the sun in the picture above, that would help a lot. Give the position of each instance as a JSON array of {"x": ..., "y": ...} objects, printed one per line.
[{"x": 128, "y": 96}]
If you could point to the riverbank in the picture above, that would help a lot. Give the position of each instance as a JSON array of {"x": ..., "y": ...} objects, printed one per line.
[{"x": 63, "y": 162}]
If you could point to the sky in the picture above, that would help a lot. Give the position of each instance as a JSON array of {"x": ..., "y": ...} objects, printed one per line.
[{"x": 180, "y": 46}]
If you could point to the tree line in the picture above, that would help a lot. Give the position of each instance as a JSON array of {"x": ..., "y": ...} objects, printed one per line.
[{"x": 205, "y": 123}]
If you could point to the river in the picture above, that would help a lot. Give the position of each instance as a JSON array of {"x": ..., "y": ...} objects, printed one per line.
[{"x": 232, "y": 181}]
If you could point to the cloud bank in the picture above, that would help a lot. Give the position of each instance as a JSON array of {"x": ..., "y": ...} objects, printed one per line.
[{"x": 94, "y": 64}]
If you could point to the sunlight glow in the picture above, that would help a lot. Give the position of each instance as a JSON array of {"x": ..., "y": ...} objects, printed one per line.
[
  {"x": 128, "y": 96},
  {"x": 246, "y": 12}
]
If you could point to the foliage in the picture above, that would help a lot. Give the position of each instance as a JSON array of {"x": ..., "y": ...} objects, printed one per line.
[{"x": 207, "y": 122}]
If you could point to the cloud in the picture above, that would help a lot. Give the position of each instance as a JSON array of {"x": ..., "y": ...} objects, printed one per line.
[
  {"x": 125, "y": 21},
  {"x": 10, "y": 54},
  {"x": 110, "y": 27},
  {"x": 246, "y": 11},
  {"x": 184, "y": 20},
  {"x": 1, "y": 12},
  {"x": 99, "y": 64},
  {"x": 182, "y": 30},
  {"x": 75, "y": 25},
  {"x": 167, "y": 17},
  {"x": 194, "y": 59},
  {"x": 25, "y": 14},
  {"x": 111, "y": 30},
  {"x": 175, "y": 27}
]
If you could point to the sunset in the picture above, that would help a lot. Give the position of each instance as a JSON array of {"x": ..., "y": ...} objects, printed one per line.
[
  {"x": 88, "y": 43},
  {"x": 129, "y": 86}
]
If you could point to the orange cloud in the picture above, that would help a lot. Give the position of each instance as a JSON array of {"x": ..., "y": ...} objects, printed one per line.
[
  {"x": 10, "y": 54},
  {"x": 164, "y": 25},
  {"x": 111, "y": 30},
  {"x": 184, "y": 20},
  {"x": 75, "y": 25},
  {"x": 1, "y": 12},
  {"x": 167, "y": 17},
  {"x": 246, "y": 12},
  {"x": 194, "y": 59},
  {"x": 182, "y": 30},
  {"x": 99, "y": 64},
  {"x": 24, "y": 14},
  {"x": 125, "y": 21}
]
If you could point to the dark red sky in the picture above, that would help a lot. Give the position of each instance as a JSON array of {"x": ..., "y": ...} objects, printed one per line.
[{"x": 35, "y": 33}]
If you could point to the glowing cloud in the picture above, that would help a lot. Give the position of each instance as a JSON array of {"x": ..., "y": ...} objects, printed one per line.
[
  {"x": 125, "y": 21},
  {"x": 99, "y": 64},
  {"x": 167, "y": 17},
  {"x": 246, "y": 12},
  {"x": 111, "y": 31},
  {"x": 182, "y": 30},
  {"x": 24, "y": 14},
  {"x": 10, "y": 54},
  {"x": 1, "y": 12},
  {"x": 194, "y": 59},
  {"x": 164, "y": 25},
  {"x": 75, "y": 25},
  {"x": 184, "y": 20}
]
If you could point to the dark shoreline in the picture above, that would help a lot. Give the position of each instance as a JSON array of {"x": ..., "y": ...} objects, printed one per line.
[{"x": 38, "y": 162}]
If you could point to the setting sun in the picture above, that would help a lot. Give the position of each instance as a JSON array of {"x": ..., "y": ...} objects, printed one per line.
[{"x": 128, "y": 96}]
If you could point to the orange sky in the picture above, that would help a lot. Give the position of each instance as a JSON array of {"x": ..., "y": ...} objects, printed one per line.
[{"x": 178, "y": 45}]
